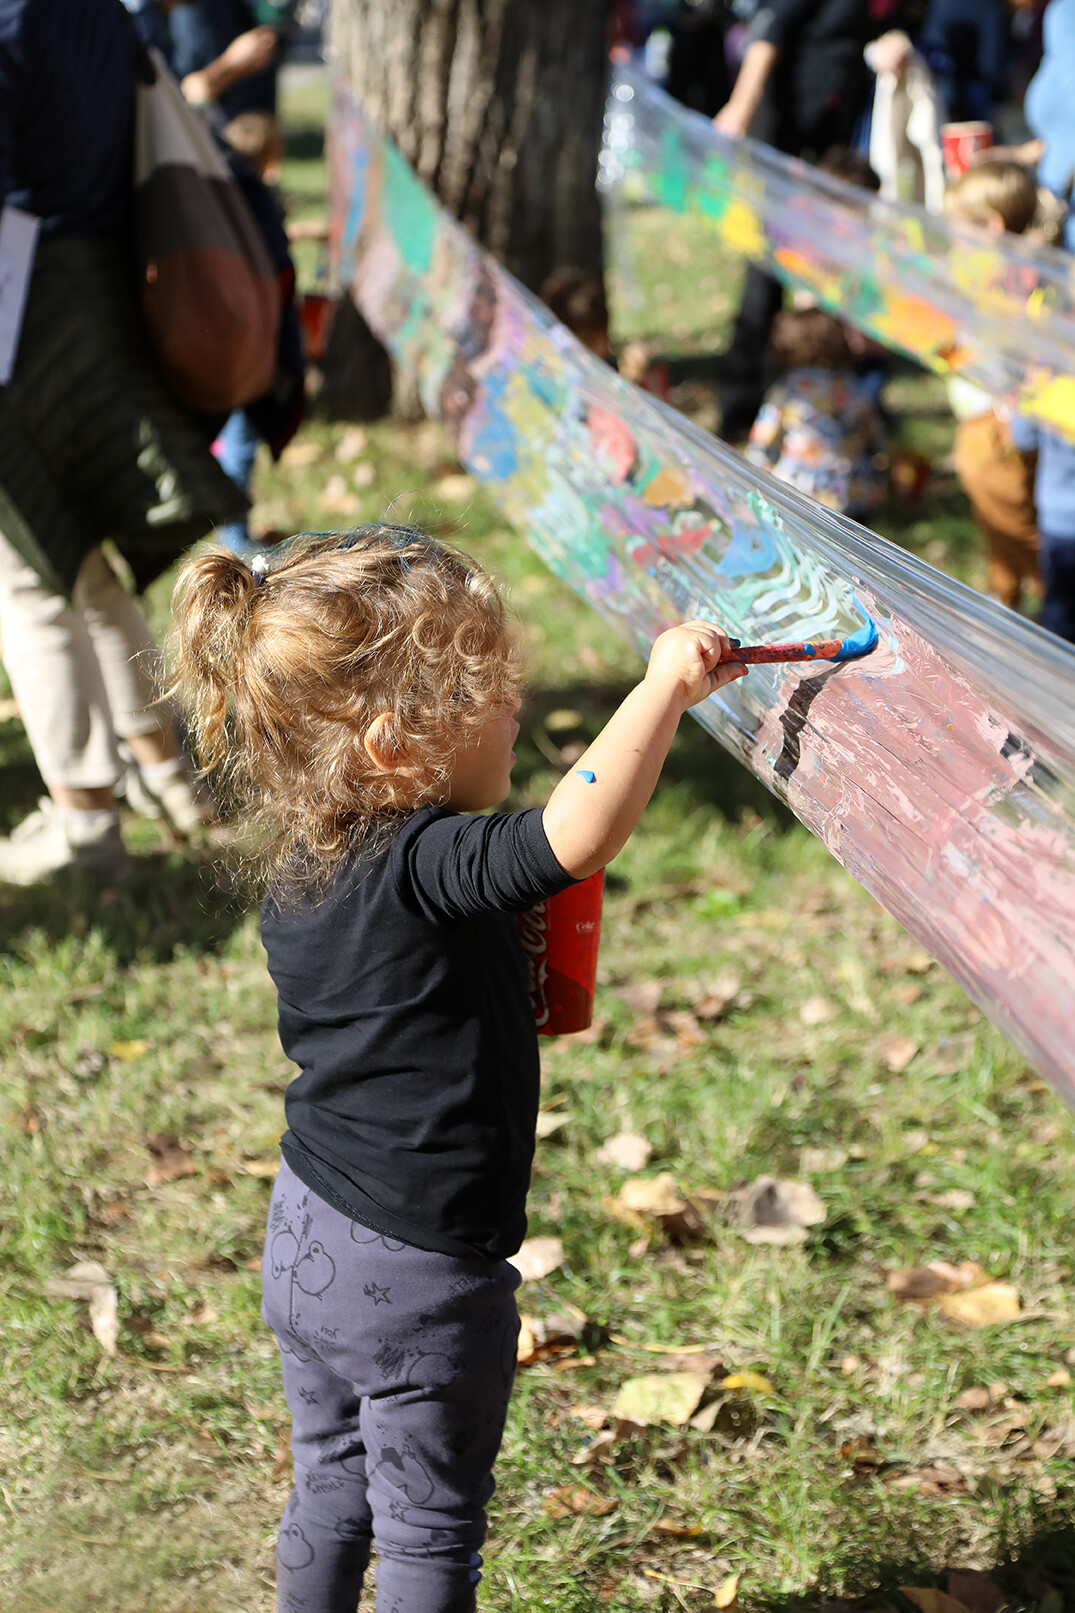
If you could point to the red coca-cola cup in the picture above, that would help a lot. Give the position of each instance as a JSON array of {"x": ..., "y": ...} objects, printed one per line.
[
  {"x": 961, "y": 141},
  {"x": 560, "y": 938}
]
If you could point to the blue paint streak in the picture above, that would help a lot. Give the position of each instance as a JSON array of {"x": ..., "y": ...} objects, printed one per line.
[
  {"x": 591, "y": 778},
  {"x": 860, "y": 643}
]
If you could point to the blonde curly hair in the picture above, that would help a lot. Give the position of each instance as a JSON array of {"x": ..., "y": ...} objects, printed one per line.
[{"x": 283, "y": 675}]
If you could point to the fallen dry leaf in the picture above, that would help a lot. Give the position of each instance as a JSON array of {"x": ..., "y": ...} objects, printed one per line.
[
  {"x": 660, "y": 1397},
  {"x": 652, "y": 1196},
  {"x": 594, "y": 1417},
  {"x": 627, "y": 1151},
  {"x": 89, "y": 1280},
  {"x": 955, "y": 1198},
  {"x": 642, "y": 995},
  {"x": 573, "y": 1501},
  {"x": 720, "y": 995},
  {"x": 104, "y": 1318},
  {"x": 170, "y": 1159},
  {"x": 456, "y": 488},
  {"x": 1058, "y": 1379},
  {"x": 300, "y": 453},
  {"x": 79, "y": 1281},
  {"x": 906, "y": 993},
  {"x": 127, "y": 1051},
  {"x": 537, "y": 1258},
  {"x": 351, "y": 445},
  {"x": 544, "y": 1337},
  {"x": 548, "y": 1124},
  {"x": 727, "y": 1594},
  {"x": 817, "y": 1011},
  {"x": 602, "y": 1446},
  {"x": 676, "y": 1529},
  {"x": 987, "y": 1306},
  {"x": 951, "y": 1054},
  {"x": 773, "y": 1210},
  {"x": 930, "y": 1601},
  {"x": 973, "y": 1399},
  {"x": 920, "y": 1284},
  {"x": 266, "y": 1169},
  {"x": 815, "y": 1161},
  {"x": 896, "y": 1052}
]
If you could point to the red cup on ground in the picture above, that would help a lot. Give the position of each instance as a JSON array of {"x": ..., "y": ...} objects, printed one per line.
[
  {"x": 960, "y": 142},
  {"x": 560, "y": 938},
  {"x": 315, "y": 317}
]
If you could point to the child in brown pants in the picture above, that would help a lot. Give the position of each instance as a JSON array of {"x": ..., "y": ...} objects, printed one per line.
[{"x": 996, "y": 477}]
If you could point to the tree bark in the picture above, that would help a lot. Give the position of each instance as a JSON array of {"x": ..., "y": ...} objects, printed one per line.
[{"x": 498, "y": 105}]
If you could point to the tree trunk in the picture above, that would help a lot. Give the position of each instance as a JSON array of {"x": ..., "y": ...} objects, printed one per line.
[{"x": 498, "y": 105}]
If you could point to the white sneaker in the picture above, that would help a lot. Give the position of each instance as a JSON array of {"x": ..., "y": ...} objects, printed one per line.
[
  {"x": 49, "y": 840},
  {"x": 183, "y": 802}
]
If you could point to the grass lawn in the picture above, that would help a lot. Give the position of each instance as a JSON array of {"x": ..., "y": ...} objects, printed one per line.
[{"x": 758, "y": 1013}]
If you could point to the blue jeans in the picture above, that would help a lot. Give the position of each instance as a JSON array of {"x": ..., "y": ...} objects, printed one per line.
[
  {"x": 1058, "y": 579},
  {"x": 238, "y": 450}
]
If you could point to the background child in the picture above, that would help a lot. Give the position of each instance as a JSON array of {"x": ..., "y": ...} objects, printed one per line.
[
  {"x": 996, "y": 477},
  {"x": 361, "y": 699},
  {"x": 819, "y": 428}
]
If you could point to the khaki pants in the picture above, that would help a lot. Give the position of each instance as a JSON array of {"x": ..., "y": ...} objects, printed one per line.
[
  {"x": 83, "y": 673},
  {"x": 999, "y": 481}
]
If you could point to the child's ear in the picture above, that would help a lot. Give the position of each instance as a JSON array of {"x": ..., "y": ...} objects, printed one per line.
[{"x": 383, "y": 750}]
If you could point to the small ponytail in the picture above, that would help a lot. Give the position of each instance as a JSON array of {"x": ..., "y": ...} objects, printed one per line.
[{"x": 211, "y": 612}]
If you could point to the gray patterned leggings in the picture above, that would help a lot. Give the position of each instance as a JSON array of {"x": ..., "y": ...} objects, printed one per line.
[{"x": 398, "y": 1366}]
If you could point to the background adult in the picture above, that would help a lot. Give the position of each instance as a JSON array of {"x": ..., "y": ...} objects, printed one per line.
[
  {"x": 92, "y": 446},
  {"x": 802, "y": 86}
]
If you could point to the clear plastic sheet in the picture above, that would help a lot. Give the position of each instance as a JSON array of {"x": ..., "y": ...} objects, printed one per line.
[
  {"x": 996, "y": 311},
  {"x": 939, "y": 770}
]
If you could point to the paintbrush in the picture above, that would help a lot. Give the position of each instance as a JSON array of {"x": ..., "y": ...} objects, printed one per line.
[{"x": 832, "y": 649}]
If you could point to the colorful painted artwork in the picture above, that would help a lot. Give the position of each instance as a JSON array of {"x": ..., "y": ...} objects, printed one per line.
[
  {"x": 939, "y": 769},
  {"x": 996, "y": 310}
]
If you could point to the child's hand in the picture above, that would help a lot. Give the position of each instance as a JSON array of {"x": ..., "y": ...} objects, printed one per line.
[{"x": 690, "y": 658}]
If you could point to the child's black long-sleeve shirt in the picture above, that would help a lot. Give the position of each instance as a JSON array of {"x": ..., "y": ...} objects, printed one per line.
[{"x": 403, "y": 999}]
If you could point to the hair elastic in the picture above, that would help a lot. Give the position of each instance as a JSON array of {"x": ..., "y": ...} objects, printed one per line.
[{"x": 259, "y": 566}]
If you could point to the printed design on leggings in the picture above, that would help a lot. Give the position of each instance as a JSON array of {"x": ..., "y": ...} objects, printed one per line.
[
  {"x": 293, "y": 1550},
  {"x": 309, "y": 1270},
  {"x": 361, "y": 1234}
]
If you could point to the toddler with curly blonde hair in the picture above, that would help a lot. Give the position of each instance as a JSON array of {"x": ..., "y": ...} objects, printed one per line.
[{"x": 361, "y": 702}]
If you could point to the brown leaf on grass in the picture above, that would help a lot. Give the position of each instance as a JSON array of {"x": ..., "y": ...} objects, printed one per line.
[
  {"x": 548, "y": 1123},
  {"x": 906, "y": 993},
  {"x": 720, "y": 996},
  {"x": 104, "y": 1318},
  {"x": 544, "y": 1337},
  {"x": 975, "y": 1590},
  {"x": 818, "y": 1011},
  {"x": 604, "y": 1444},
  {"x": 931, "y": 1601},
  {"x": 987, "y": 1306},
  {"x": 688, "y": 1031},
  {"x": 266, "y": 1169},
  {"x": 89, "y": 1280},
  {"x": 170, "y": 1159},
  {"x": 676, "y": 1529},
  {"x": 1059, "y": 1379},
  {"x": 660, "y": 1397},
  {"x": 78, "y": 1281},
  {"x": 537, "y": 1258},
  {"x": 973, "y": 1399},
  {"x": 642, "y": 995},
  {"x": 594, "y": 1417},
  {"x": 626, "y": 1151},
  {"x": 773, "y": 1210},
  {"x": 816, "y": 1161},
  {"x": 351, "y": 446},
  {"x": 920, "y": 1284},
  {"x": 929, "y": 1481},
  {"x": 297, "y": 454},
  {"x": 643, "y": 1201},
  {"x": 726, "y": 1594},
  {"x": 896, "y": 1052},
  {"x": 955, "y": 1198},
  {"x": 585, "y": 1038},
  {"x": 573, "y": 1501},
  {"x": 951, "y": 1054}
]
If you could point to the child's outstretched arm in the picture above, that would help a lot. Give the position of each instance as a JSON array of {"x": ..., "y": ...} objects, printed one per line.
[{"x": 593, "y": 811}]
